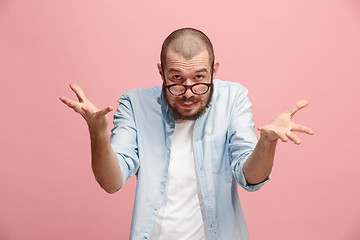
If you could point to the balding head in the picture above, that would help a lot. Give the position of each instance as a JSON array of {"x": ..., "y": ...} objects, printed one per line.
[{"x": 187, "y": 42}]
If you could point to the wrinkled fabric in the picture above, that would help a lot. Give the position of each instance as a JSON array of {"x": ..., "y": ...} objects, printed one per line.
[{"x": 223, "y": 138}]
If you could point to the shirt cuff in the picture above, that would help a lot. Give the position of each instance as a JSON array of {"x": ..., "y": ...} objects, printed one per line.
[{"x": 250, "y": 187}]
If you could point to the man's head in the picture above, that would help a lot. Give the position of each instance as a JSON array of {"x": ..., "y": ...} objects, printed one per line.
[
  {"x": 187, "y": 58},
  {"x": 187, "y": 42}
]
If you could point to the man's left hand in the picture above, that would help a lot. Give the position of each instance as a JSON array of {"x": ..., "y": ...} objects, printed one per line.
[{"x": 282, "y": 127}]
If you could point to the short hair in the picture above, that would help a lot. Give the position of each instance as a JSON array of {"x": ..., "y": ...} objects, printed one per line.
[{"x": 187, "y": 42}]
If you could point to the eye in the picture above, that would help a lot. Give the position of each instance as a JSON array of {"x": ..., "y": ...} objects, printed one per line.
[
  {"x": 176, "y": 77},
  {"x": 199, "y": 77}
]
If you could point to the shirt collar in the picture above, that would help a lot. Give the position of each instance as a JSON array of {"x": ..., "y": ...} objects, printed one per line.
[{"x": 165, "y": 111}]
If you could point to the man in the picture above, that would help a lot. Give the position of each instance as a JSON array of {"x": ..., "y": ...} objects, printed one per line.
[{"x": 188, "y": 142}]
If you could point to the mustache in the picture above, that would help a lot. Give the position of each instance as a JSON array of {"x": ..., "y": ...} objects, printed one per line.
[{"x": 186, "y": 99}]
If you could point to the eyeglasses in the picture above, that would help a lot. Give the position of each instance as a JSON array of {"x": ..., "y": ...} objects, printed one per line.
[{"x": 197, "y": 88}]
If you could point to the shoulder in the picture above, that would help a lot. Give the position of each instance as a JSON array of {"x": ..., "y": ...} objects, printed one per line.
[
  {"x": 226, "y": 84},
  {"x": 141, "y": 94},
  {"x": 229, "y": 90}
]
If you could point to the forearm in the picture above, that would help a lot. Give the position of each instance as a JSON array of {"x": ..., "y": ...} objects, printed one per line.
[
  {"x": 259, "y": 164},
  {"x": 104, "y": 162}
]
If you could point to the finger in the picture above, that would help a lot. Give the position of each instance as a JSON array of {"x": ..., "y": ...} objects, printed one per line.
[
  {"x": 64, "y": 99},
  {"x": 72, "y": 104},
  {"x": 282, "y": 137},
  {"x": 104, "y": 111},
  {"x": 297, "y": 106},
  {"x": 259, "y": 128},
  {"x": 272, "y": 134},
  {"x": 303, "y": 129},
  {"x": 265, "y": 130},
  {"x": 78, "y": 91},
  {"x": 293, "y": 138}
]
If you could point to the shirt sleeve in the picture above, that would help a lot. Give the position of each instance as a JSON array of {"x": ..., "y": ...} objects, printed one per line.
[
  {"x": 124, "y": 138},
  {"x": 242, "y": 139}
]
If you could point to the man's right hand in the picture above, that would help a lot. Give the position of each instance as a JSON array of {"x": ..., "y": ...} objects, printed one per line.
[
  {"x": 103, "y": 159},
  {"x": 95, "y": 118}
]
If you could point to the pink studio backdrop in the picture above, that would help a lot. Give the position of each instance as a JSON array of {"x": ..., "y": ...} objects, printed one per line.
[{"x": 281, "y": 50}]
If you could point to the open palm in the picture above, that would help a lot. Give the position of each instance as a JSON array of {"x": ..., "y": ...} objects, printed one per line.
[
  {"x": 282, "y": 127},
  {"x": 96, "y": 118}
]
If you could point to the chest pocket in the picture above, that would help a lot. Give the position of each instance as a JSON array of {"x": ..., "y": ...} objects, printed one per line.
[{"x": 219, "y": 154}]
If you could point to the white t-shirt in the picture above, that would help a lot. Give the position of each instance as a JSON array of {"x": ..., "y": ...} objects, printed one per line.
[{"x": 181, "y": 215}]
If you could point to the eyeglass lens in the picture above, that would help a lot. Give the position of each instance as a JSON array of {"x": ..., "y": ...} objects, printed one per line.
[{"x": 196, "y": 89}]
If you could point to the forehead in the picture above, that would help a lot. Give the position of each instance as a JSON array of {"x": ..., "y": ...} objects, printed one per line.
[{"x": 174, "y": 60}]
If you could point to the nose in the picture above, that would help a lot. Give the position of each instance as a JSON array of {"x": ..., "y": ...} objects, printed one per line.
[{"x": 188, "y": 93}]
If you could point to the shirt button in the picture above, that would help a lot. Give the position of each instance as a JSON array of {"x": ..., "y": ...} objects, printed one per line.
[
  {"x": 168, "y": 151},
  {"x": 163, "y": 112},
  {"x": 156, "y": 208},
  {"x": 146, "y": 236},
  {"x": 171, "y": 123},
  {"x": 163, "y": 180}
]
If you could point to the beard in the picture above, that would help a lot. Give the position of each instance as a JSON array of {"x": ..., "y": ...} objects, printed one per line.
[{"x": 177, "y": 115}]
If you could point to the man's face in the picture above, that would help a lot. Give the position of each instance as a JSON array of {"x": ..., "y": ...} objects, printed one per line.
[{"x": 178, "y": 70}]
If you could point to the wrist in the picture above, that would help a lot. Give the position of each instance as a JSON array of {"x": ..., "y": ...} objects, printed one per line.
[
  {"x": 268, "y": 141},
  {"x": 96, "y": 133}
]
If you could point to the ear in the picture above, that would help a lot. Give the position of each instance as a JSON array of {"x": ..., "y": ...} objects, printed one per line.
[
  {"x": 160, "y": 71},
  {"x": 216, "y": 67}
]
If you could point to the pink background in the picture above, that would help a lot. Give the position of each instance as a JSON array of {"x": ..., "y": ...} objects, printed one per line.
[{"x": 281, "y": 50}]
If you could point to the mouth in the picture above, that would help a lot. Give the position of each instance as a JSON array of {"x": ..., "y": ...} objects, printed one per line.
[{"x": 187, "y": 104}]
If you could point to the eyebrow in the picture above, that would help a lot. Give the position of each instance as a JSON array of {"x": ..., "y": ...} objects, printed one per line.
[
  {"x": 178, "y": 71},
  {"x": 201, "y": 70},
  {"x": 174, "y": 70}
]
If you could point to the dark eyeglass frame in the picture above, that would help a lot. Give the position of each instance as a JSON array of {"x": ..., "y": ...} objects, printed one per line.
[{"x": 186, "y": 87}]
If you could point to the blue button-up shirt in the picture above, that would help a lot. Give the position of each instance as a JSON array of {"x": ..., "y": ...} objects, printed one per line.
[{"x": 223, "y": 138}]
